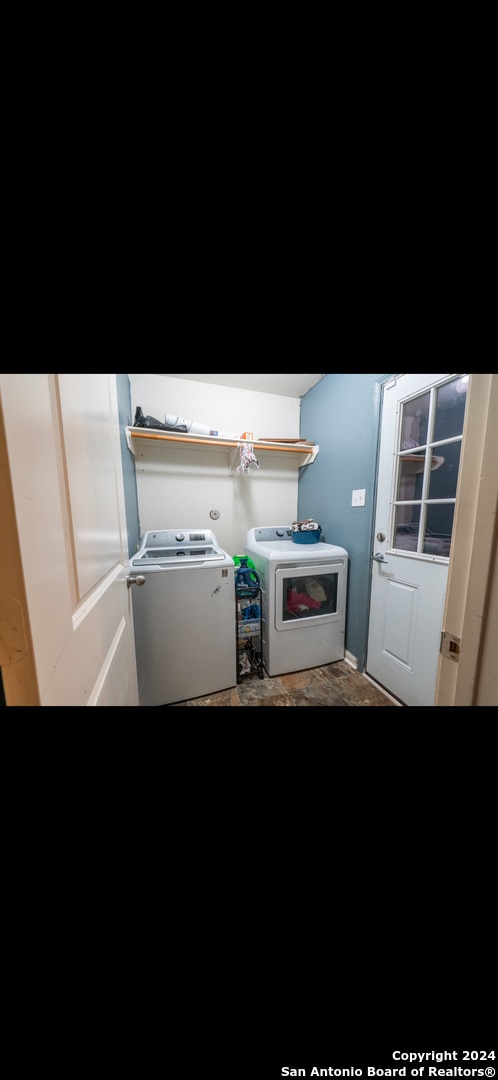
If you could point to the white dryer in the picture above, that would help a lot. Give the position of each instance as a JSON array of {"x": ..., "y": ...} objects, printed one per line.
[{"x": 303, "y": 599}]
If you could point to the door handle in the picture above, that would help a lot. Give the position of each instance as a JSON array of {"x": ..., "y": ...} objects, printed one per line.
[
  {"x": 138, "y": 580},
  {"x": 379, "y": 557}
]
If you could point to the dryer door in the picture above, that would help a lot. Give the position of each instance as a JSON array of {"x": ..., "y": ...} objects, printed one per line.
[{"x": 310, "y": 594}]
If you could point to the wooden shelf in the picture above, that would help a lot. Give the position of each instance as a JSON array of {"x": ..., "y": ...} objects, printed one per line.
[{"x": 301, "y": 453}]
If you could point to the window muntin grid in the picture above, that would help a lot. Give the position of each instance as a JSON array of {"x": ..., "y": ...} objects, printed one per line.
[{"x": 427, "y": 463}]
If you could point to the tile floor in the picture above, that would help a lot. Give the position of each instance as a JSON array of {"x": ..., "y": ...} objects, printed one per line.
[{"x": 334, "y": 684}]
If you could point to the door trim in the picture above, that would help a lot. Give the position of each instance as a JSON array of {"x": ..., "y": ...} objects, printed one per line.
[{"x": 469, "y": 613}]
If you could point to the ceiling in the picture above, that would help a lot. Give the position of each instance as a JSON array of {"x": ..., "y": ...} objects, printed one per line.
[{"x": 286, "y": 385}]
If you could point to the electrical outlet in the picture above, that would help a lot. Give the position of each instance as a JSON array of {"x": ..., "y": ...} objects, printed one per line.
[{"x": 358, "y": 497}]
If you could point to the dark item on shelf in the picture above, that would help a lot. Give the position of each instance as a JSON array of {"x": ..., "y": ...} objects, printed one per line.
[{"x": 152, "y": 422}]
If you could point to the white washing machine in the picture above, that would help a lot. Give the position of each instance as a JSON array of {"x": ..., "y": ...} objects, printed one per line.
[
  {"x": 183, "y": 615},
  {"x": 303, "y": 599}
]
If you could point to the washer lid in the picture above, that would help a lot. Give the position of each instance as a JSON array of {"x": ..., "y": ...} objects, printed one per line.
[{"x": 178, "y": 547}]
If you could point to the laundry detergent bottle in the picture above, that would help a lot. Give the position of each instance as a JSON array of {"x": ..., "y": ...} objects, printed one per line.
[{"x": 246, "y": 578}]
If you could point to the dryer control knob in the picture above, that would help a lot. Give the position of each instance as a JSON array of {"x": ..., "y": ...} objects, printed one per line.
[
  {"x": 180, "y": 536},
  {"x": 280, "y": 532}
]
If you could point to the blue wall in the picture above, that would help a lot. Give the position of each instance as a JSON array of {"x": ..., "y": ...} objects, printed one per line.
[
  {"x": 341, "y": 413},
  {"x": 129, "y": 477}
]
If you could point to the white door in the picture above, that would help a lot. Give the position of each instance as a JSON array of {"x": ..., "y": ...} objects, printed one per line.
[
  {"x": 419, "y": 459},
  {"x": 66, "y": 477}
]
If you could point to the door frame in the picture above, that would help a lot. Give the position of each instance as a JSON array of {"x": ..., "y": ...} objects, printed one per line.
[
  {"x": 17, "y": 666},
  {"x": 471, "y": 604}
]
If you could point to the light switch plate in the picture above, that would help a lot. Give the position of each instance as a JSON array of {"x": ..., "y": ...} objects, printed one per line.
[{"x": 358, "y": 497}]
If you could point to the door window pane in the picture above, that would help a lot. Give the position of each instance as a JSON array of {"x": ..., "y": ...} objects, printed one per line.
[
  {"x": 406, "y": 527},
  {"x": 439, "y": 528},
  {"x": 450, "y": 408},
  {"x": 411, "y": 474},
  {"x": 414, "y": 422},
  {"x": 444, "y": 471}
]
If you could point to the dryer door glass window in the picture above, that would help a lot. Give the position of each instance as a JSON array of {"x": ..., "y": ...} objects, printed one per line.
[{"x": 307, "y": 595}]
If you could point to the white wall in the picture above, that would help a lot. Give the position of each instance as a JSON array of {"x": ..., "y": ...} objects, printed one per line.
[
  {"x": 221, "y": 407},
  {"x": 179, "y": 486}
]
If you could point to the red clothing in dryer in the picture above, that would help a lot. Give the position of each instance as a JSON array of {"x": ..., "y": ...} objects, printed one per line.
[{"x": 300, "y": 601}]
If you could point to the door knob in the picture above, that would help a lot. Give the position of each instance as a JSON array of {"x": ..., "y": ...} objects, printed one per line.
[
  {"x": 138, "y": 580},
  {"x": 378, "y": 557}
]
